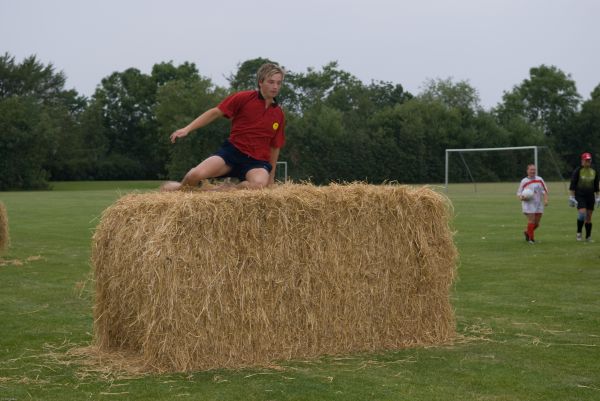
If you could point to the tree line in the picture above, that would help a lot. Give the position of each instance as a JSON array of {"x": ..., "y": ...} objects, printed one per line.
[{"x": 338, "y": 127}]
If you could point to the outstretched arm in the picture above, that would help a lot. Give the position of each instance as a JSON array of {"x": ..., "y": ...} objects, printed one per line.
[{"x": 204, "y": 119}]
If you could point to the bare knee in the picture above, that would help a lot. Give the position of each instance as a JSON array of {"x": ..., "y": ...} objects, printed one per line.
[
  {"x": 212, "y": 167},
  {"x": 194, "y": 175},
  {"x": 170, "y": 186},
  {"x": 256, "y": 179}
]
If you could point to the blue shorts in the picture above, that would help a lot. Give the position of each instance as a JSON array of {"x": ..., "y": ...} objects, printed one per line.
[{"x": 239, "y": 162}]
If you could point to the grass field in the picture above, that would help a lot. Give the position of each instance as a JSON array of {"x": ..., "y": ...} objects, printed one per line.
[{"x": 528, "y": 315}]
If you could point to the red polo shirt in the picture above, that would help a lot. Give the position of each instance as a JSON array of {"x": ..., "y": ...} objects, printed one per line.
[{"x": 254, "y": 128}]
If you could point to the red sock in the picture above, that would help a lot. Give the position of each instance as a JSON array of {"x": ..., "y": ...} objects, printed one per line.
[{"x": 530, "y": 228}]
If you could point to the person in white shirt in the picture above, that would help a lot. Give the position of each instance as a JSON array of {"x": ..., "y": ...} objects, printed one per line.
[{"x": 532, "y": 202}]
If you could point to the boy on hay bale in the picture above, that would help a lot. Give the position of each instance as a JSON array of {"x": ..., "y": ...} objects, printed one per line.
[{"x": 257, "y": 133}]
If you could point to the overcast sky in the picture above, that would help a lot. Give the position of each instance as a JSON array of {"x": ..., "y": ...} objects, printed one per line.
[{"x": 490, "y": 43}]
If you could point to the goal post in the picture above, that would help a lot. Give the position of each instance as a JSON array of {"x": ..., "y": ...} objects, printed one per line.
[
  {"x": 281, "y": 171},
  {"x": 534, "y": 149}
]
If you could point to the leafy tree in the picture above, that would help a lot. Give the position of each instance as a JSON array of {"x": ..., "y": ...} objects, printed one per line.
[
  {"x": 548, "y": 100},
  {"x": 338, "y": 128},
  {"x": 548, "y": 103},
  {"x": 121, "y": 121},
  {"x": 245, "y": 76},
  {"x": 163, "y": 73},
  {"x": 584, "y": 134},
  {"x": 22, "y": 145},
  {"x": 30, "y": 78},
  {"x": 245, "y": 79},
  {"x": 331, "y": 85},
  {"x": 427, "y": 130},
  {"x": 94, "y": 136},
  {"x": 460, "y": 95},
  {"x": 178, "y": 103},
  {"x": 126, "y": 100},
  {"x": 387, "y": 94},
  {"x": 38, "y": 120},
  {"x": 313, "y": 145}
]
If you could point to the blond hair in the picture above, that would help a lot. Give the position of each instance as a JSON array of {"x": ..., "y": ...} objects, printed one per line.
[{"x": 266, "y": 70}]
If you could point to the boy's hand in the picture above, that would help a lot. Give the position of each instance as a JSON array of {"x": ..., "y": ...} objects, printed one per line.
[{"x": 180, "y": 133}]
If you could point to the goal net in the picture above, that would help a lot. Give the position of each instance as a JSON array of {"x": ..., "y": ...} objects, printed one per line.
[{"x": 498, "y": 164}]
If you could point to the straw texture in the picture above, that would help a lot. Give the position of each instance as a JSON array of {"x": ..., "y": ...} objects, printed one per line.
[
  {"x": 4, "y": 237},
  {"x": 194, "y": 281}
]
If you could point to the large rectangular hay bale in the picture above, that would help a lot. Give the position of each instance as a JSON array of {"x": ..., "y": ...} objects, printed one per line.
[{"x": 194, "y": 281}]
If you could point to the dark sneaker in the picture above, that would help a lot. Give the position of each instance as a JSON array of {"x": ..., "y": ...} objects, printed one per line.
[{"x": 526, "y": 236}]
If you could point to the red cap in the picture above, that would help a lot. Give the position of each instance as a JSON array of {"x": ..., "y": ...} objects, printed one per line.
[{"x": 586, "y": 156}]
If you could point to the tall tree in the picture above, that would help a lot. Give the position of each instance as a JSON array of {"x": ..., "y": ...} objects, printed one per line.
[
  {"x": 38, "y": 123},
  {"x": 126, "y": 100},
  {"x": 179, "y": 102},
  {"x": 460, "y": 95},
  {"x": 162, "y": 73},
  {"x": 22, "y": 145},
  {"x": 245, "y": 76},
  {"x": 122, "y": 118},
  {"x": 245, "y": 79},
  {"x": 584, "y": 135},
  {"x": 547, "y": 99},
  {"x": 421, "y": 130},
  {"x": 387, "y": 94}
]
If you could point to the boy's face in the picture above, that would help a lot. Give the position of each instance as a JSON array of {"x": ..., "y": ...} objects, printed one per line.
[
  {"x": 531, "y": 171},
  {"x": 271, "y": 86},
  {"x": 586, "y": 162}
]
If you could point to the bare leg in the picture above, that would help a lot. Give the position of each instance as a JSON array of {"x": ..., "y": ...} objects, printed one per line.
[
  {"x": 530, "y": 227},
  {"x": 170, "y": 186},
  {"x": 588, "y": 225},
  {"x": 256, "y": 178},
  {"x": 212, "y": 167}
]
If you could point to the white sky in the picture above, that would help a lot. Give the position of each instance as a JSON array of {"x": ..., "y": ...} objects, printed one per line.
[{"x": 490, "y": 43}]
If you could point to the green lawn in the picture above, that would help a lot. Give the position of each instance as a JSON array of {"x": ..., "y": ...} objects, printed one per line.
[{"x": 528, "y": 315}]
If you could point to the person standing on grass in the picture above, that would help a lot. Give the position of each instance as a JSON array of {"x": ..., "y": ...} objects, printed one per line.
[
  {"x": 585, "y": 194},
  {"x": 533, "y": 207},
  {"x": 257, "y": 134}
]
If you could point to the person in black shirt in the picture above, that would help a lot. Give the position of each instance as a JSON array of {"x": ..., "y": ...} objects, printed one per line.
[{"x": 585, "y": 194}]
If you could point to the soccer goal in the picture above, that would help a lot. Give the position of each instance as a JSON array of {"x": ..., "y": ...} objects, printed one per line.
[{"x": 534, "y": 149}]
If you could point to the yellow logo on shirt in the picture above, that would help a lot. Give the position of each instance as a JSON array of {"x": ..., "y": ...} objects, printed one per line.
[{"x": 275, "y": 126}]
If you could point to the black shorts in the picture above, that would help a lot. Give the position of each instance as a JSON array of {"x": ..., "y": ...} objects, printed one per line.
[
  {"x": 239, "y": 162},
  {"x": 585, "y": 201}
]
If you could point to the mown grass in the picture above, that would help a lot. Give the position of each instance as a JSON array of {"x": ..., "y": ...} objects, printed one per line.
[{"x": 528, "y": 315}]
